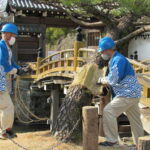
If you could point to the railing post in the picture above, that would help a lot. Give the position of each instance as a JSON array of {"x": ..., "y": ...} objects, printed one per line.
[
  {"x": 39, "y": 58},
  {"x": 77, "y": 46},
  {"x": 38, "y": 65},
  {"x": 90, "y": 128}
]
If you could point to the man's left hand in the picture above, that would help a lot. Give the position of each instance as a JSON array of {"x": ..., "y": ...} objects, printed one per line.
[
  {"x": 102, "y": 81},
  {"x": 22, "y": 71}
]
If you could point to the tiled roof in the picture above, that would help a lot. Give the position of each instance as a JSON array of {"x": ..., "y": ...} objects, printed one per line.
[{"x": 30, "y": 5}]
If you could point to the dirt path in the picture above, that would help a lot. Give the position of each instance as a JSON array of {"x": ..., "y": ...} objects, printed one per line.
[{"x": 36, "y": 141}]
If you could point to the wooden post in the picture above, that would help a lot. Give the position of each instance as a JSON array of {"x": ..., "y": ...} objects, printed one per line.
[
  {"x": 54, "y": 107},
  {"x": 144, "y": 143},
  {"x": 42, "y": 39},
  {"x": 103, "y": 102},
  {"x": 101, "y": 107},
  {"x": 90, "y": 128},
  {"x": 15, "y": 52}
]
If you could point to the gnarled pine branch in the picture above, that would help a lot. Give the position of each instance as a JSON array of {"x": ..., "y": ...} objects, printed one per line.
[{"x": 133, "y": 34}]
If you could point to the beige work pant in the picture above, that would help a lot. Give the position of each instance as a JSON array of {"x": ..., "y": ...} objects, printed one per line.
[
  {"x": 114, "y": 109},
  {"x": 6, "y": 112}
]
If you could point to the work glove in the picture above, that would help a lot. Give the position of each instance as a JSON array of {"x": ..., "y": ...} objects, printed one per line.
[
  {"x": 22, "y": 71},
  {"x": 102, "y": 81}
]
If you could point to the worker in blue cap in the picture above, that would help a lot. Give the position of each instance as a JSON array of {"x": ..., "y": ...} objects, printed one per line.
[
  {"x": 126, "y": 93},
  {"x": 8, "y": 67}
]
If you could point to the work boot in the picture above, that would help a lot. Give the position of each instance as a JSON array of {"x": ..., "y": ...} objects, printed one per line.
[
  {"x": 106, "y": 143},
  {"x": 10, "y": 133}
]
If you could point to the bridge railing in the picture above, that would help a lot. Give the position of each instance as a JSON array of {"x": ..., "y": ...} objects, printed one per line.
[
  {"x": 140, "y": 67},
  {"x": 64, "y": 61}
]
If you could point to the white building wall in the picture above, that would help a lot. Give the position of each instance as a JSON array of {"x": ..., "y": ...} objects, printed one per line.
[{"x": 140, "y": 44}]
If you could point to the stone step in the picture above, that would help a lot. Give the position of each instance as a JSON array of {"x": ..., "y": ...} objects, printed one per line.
[
  {"x": 125, "y": 134},
  {"x": 124, "y": 128}
]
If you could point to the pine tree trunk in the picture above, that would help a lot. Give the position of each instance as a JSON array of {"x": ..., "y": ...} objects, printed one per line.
[{"x": 70, "y": 113}]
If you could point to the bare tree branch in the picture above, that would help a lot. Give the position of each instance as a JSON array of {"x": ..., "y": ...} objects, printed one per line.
[
  {"x": 78, "y": 21},
  {"x": 141, "y": 23},
  {"x": 84, "y": 23},
  {"x": 87, "y": 24},
  {"x": 100, "y": 15},
  {"x": 133, "y": 34}
]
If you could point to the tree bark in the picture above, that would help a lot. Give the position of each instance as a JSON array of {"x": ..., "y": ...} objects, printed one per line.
[
  {"x": 144, "y": 143},
  {"x": 125, "y": 22},
  {"x": 70, "y": 113}
]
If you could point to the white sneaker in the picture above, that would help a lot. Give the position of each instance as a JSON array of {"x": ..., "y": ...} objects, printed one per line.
[{"x": 4, "y": 136}]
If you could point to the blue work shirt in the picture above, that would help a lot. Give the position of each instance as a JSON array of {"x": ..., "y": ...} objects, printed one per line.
[
  {"x": 5, "y": 66},
  {"x": 122, "y": 77}
]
